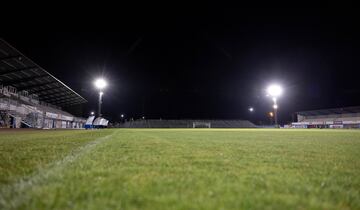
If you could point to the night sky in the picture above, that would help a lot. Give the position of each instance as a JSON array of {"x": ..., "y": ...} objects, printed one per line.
[{"x": 205, "y": 62}]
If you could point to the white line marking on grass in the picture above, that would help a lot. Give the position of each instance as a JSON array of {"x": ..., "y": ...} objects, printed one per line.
[{"x": 13, "y": 195}]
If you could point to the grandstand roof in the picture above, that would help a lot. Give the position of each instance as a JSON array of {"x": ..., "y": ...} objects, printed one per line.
[
  {"x": 19, "y": 71},
  {"x": 342, "y": 110}
]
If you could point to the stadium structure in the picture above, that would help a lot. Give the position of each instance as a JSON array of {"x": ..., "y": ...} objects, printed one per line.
[
  {"x": 346, "y": 117},
  {"x": 31, "y": 96}
]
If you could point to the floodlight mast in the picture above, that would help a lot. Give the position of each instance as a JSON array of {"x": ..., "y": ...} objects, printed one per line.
[
  {"x": 100, "y": 102},
  {"x": 275, "y": 91},
  {"x": 275, "y": 106},
  {"x": 100, "y": 84}
]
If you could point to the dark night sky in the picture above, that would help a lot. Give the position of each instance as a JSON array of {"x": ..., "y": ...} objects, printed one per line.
[{"x": 199, "y": 63}]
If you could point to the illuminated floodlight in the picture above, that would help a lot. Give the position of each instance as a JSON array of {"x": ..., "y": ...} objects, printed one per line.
[
  {"x": 92, "y": 113},
  {"x": 251, "y": 109},
  {"x": 100, "y": 83},
  {"x": 274, "y": 90},
  {"x": 122, "y": 115}
]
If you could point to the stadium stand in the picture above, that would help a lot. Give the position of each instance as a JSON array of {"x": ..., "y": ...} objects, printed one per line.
[
  {"x": 186, "y": 123},
  {"x": 346, "y": 117},
  {"x": 32, "y": 97}
]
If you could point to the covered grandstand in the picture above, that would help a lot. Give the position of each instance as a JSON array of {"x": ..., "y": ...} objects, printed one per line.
[
  {"x": 346, "y": 117},
  {"x": 31, "y": 96}
]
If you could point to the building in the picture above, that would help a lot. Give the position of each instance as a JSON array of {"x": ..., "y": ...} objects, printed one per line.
[
  {"x": 32, "y": 97},
  {"x": 346, "y": 117}
]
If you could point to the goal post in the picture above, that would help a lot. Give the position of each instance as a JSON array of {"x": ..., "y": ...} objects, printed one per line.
[{"x": 201, "y": 125}]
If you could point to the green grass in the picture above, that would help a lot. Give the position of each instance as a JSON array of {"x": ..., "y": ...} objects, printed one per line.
[{"x": 180, "y": 169}]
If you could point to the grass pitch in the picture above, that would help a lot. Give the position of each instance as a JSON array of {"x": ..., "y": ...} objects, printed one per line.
[{"x": 180, "y": 169}]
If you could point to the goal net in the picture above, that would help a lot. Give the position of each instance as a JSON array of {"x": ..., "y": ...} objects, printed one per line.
[{"x": 201, "y": 125}]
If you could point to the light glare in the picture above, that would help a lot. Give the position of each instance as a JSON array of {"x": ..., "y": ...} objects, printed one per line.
[
  {"x": 274, "y": 90},
  {"x": 100, "y": 83}
]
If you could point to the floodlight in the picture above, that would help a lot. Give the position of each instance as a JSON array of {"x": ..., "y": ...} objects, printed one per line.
[
  {"x": 251, "y": 109},
  {"x": 92, "y": 113},
  {"x": 122, "y": 115},
  {"x": 100, "y": 83},
  {"x": 274, "y": 90}
]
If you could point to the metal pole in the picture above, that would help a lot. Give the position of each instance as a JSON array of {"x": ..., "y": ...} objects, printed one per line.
[
  {"x": 100, "y": 102},
  {"x": 275, "y": 112},
  {"x": 275, "y": 116}
]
